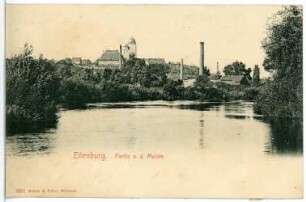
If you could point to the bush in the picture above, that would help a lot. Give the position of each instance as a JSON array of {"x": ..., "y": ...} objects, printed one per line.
[
  {"x": 32, "y": 93},
  {"x": 173, "y": 90},
  {"x": 278, "y": 99},
  {"x": 251, "y": 93}
]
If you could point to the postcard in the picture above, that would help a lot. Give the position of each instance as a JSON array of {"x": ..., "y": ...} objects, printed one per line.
[{"x": 154, "y": 101}]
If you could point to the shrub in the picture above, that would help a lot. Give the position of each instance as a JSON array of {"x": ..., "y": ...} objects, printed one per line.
[{"x": 32, "y": 93}]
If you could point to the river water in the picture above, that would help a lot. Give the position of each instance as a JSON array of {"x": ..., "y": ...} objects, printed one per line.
[{"x": 159, "y": 149}]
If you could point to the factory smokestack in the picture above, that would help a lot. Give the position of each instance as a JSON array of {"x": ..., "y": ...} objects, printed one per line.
[
  {"x": 217, "y": 66},
  {"x": 181, "y": 70},
  {"x": 120, "y": 57},
  {"x": 201, "y": 58}
]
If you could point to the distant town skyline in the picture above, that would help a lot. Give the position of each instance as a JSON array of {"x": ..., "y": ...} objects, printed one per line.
[{"x": 161, "y": 31}]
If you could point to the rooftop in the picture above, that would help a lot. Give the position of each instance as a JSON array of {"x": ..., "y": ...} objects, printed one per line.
[
  {"x": 110, "y": 55},
  {"x": 236, "y": 78}
]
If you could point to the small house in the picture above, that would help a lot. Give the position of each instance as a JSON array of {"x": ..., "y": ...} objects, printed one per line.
[{"x": 235, "y": 80}]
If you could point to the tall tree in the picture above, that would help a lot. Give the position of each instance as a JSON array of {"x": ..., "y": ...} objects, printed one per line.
[
  {"x": 284, "y": 43},
  {"x": 283, "y": 97},
  {"x": 256, "y": 75}
]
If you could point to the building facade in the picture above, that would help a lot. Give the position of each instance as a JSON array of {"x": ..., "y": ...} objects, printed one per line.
[{"x": 109, "y": 58}]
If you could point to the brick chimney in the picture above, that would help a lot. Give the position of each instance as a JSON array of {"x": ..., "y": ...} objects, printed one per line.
[{"x": 201, "y": 58}]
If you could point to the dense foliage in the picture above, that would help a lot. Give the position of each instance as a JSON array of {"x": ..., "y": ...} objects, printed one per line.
[
  {"x": 206, "y": 71},
  {"x": 283, "y": 96},
  {"x": 189, "y": 71},
  {"x": 37, "y": 88},
  {"x": 31, "y": 93},
  {"x": 236, "y": 68},
  {"x": 256, "y": 75}
]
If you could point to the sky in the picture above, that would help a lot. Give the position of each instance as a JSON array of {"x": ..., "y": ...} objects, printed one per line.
[{"x": 172, "y": 32}]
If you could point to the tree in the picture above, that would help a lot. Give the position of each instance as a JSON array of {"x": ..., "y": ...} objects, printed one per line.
[
  {"x": 202, "y": 81},
  {"x": 206, "y": 71},
  {"x": 256, "y": 75},
  {"x": 173, "y": 89},
  {"x": 283, "y": 97},
  {"x": 32, "y": 93},
  {"x": 236, "y": 68},
  {"x": 284, "y": 43}
]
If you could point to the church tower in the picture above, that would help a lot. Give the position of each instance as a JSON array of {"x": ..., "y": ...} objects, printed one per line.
[{"x": 132, "y": 48}]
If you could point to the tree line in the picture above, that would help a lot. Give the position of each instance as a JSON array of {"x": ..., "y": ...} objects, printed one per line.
[{"x": 36, "y": 88}]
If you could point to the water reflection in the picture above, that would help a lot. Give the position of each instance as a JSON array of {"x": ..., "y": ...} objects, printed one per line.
[
  {"x": 189, "y": 105},
  {"x": 201, "y": 106},
  {"x": 235, "y": 116},
  {"x": 135, "y": 127},
  {"x": 286, "y": 136},
  {"x": 201, "y": 139},
  {"x": 30, "y": 144}
]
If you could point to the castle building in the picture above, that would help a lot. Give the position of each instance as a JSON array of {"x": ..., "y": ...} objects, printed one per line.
[
  {"x": 110, "y": 58},
  {"x": 114, "y": 58},
  {"x": 130, "y": 49}
]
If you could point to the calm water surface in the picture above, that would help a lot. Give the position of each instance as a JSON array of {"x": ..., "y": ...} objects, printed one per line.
[{"x": 209, "y": 149}]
